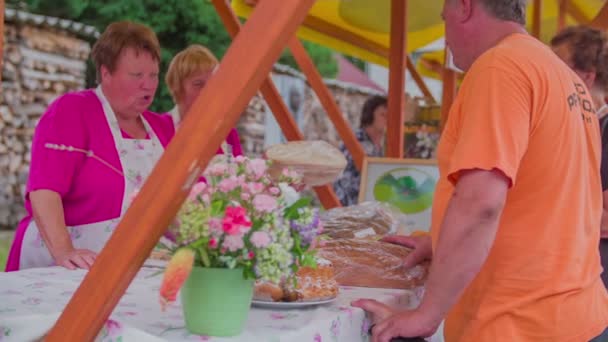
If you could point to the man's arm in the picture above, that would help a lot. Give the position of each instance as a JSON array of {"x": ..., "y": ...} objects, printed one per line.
[{"x": 467, "y": 234}]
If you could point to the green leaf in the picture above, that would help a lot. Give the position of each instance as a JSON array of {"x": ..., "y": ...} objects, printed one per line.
[
  {"x": 204, "y": 257},
  {"x": 291, "y": 212}
]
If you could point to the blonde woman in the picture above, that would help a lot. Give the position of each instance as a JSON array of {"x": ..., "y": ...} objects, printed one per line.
[{"x": 188, "y": 74}]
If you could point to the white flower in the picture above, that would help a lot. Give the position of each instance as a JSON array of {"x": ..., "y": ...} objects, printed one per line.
[{"x": 290, "y": 194}]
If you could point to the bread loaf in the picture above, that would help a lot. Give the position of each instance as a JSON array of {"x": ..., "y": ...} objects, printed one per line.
[
  {"x": 371, "y": 263},
  {"x": 368, "y": 219},
  {"x": 318, "y": 161}
]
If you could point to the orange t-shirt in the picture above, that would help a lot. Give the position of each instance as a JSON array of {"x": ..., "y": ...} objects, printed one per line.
[{"x": 522, "y": 111}]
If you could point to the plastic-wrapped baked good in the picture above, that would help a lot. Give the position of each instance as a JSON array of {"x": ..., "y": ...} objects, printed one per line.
[
  {"x": 319, "y": 162},
  {"x": 371, "y": 263},
  {"x": 364, "y": 220},
  {"x": 312, "y": 284}
]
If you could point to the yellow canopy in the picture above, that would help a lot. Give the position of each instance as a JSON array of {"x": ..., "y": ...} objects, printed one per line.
[
  {"x": 325, "y": 26},
  {"x": 424, "y": 27}
]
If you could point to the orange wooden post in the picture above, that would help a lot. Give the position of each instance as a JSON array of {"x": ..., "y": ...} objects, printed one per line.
[
  {"x": 327, "y": 100},
  {"x": 419, "y": 80},
  {"x": 601, "y": 19},
  {"x": 562, "y": 14},
  {"x": 326, "y": 194},
  {"x": 449, "y": 90},
  {"x": 211, "y": 117},
  {"x": 537, "y": 17},
  {"x": 396, "y": 87}
]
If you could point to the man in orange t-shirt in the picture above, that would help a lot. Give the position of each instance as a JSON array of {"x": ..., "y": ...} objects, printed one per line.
[{"x": 518, "y": 203}]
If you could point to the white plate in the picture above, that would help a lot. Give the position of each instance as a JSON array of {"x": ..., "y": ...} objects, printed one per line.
[{"x": 289, "y": 305}]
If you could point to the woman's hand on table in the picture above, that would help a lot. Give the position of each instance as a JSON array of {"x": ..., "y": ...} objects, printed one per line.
[
  {"x": 76, "y": 258},
  {"x": 389, "y": 323},
  {"x": 421, "y": 248}
]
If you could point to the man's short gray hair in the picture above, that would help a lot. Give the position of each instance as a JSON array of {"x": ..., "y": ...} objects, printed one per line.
[{"x": 509, "y": 10}]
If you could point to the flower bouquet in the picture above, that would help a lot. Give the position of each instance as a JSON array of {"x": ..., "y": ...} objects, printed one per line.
[{"x": 236, "y": 227}]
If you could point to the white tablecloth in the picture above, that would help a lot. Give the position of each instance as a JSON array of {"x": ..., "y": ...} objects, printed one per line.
[{"x": 31, "y": 301}]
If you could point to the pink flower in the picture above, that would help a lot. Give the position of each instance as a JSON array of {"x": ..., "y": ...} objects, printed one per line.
[
  {"x": 257, "y": 167},
  {"x": 215, "y": 226},
  {"x": 233, "y": 243},
  {"x": 245, "y": 196},
  {"x": 113, "y": 328},
  {"x": 274, "y": 190},
  {"x": 255, "y": 188},
  {"x": 213, "y": 243},
  {"x": 260, "y": 239},
  {"x": 264, "y": 203},
  {"x": 239, "y": 159},
  {"x": 197, "y": 189},
  {"x": 235, "y": 221},
  {"x": 228, "y": 184},
  {"x": 217, "y": 169}
]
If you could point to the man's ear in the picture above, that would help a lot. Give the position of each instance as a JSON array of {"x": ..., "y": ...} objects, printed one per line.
[
  {"x": 464, "y": 9},
  {"x": 588, "y": 77}
]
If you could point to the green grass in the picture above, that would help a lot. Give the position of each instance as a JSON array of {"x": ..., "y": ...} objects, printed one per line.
[{"x": 5, "y": 244}]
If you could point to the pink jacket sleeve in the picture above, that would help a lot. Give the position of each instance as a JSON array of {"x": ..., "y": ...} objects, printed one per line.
[
  {"x": 234, "y": 141},
  {"x": 60, "y": 124}
]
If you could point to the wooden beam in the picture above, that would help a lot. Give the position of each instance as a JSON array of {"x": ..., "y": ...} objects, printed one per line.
[
  {"x": 2, "y": 7},
  {"x": 537, "y": 17},
  {"x": 577, "y": 14},
  {"x": 275, "y": 102},
  {"x": 562, "y": 14},
  {"x": 210, "y": 119},
  {"x": 419, "y": 80},
  {"x": 326, "y": 98},
  {"x": 396, "y": 83},
  {"x": 339, "y": 33},
  {"x": 601, "y": 19},
  {"x": 449, "y": 90}
]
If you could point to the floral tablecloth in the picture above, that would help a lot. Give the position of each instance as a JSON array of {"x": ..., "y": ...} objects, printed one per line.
[{"x": 31, "y": 301}]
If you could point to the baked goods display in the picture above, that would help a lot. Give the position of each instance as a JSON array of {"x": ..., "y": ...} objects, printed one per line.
[
  {"x": 311, "y": 284},
  {"x": 365, "y": 220},
  {"x": 371, "y": 263},
  {"x": 318, "y": 161}
]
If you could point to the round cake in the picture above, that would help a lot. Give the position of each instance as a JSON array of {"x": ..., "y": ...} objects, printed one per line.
[{"x": 308, "y": 285}]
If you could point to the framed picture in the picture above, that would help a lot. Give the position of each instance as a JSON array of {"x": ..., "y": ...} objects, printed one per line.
[{"x": 406, "y": 184}]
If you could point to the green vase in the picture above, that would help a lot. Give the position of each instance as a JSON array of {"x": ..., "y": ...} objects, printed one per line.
[{"x": 216, "y": 301}]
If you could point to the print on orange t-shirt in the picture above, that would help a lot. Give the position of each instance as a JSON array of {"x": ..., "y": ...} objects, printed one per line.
[{"x": 522, "y": 111}]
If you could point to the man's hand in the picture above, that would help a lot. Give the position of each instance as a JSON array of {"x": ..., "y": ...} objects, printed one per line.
[
  {"x": 389, "y": 323},
  {"x": 421, "y": 245}
]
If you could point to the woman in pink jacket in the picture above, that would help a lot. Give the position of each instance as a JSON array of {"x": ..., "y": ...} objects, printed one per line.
[{"x": 91, "y": 150}]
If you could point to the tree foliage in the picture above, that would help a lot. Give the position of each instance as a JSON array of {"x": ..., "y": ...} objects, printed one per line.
[{"x": 177, "y": 23}]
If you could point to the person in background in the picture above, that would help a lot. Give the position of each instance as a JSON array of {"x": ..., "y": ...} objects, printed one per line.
[
  {"x": 516, "y": 210},
  {"x": 371, "y": 136},
  {"x": 585, "y": 50},
  {"x": 91, "y": 151},
  {"x": 188, "y": 74}
]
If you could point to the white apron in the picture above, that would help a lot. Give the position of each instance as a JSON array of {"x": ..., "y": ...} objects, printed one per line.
[{"x": 137, "y": 158}]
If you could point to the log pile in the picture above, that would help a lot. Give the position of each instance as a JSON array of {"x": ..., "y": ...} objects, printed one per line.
[{"x": 40, "y": 63}]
